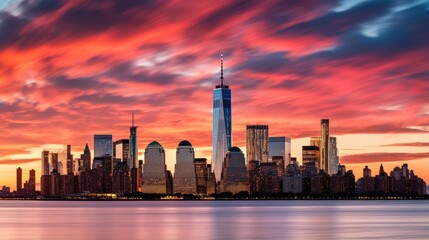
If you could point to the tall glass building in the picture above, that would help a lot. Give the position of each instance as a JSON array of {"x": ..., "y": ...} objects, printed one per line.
[
  {"x": 324, "y": 150},
  {"x": 133, "y": 151},
  {"x": 103, "y": 145},
  {"x": 221, "y": 124},
  {"x": 279, "y": 146}
]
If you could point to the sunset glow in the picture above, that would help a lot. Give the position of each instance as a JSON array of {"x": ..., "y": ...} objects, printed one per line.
[{"x": 71, "y": 69}]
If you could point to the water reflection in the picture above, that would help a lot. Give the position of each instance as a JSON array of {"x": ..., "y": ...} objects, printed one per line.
[{"x": 214, "y": 220}]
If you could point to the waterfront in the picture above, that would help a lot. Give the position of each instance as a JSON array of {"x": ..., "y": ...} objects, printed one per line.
[{"x": 214, "y": 219}]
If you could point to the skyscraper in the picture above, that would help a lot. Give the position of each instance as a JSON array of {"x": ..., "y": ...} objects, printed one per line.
[
  {"x": 310, "y": 154},
  {"x": 257, "y": 143},
  {"x": 279, "y": 146},
  {"x": 86, "y": 159},
  {"x": 45, "y": 162},
  {"x": 184, "y": 180},
  {"x": 154, "y": 175},
  {"x": 221, "y": 124},
  {"x": 324, "y": 150},
  {"x": 103, "y": 145},
  {"x": 333, "y": 156},
  {"x": 133, "y": 151},
  {"x": 234, "y": 173},
  {"x": 32, "y": 181},
  {"x": 201, "y": 175},
  {"x": 121, "y": 150},
  {"x": 18, "y": 179},
  {"x": 69, "y": 161},
  {"x": 133, "y": 156}
]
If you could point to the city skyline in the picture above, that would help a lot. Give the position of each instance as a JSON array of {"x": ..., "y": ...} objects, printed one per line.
[{"x": 57, "y": 79}]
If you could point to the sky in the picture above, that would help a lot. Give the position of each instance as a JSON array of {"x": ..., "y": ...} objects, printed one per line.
[{"x": 71, "y": 69}]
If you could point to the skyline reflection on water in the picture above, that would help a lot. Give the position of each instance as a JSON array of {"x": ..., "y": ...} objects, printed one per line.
[{"x": 214, "y": 219}]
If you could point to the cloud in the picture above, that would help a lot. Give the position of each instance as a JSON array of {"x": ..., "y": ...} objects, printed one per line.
[
  {"x": 336, "y": 23},
  {"x": 411, "y": 144},
  {"x": 18, "y": 161},
  {"x": 382, "y": 157}
]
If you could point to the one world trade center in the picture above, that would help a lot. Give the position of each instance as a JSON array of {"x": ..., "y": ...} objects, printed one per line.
[{"x": 221, "y": 124}]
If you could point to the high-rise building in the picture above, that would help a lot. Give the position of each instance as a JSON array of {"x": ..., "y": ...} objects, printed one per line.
[
  {"x": 54, "y": 163},
  {"x": 211, "y": 181},
  {"x": 133, "y": 157},
  {"x": 45, "y": 162},
  {"x": 103, "y": 145},
  {"x": 234, "y": 174},
  {"x": 316, "y": 141},
  {"x": 292, "y": 180},
  {"x": 279, "y": 146},
  {"x": 268, "y": 179},
  {"x": 86, "y": 159},
  {"x": 257, "y": 143},
  {"x": 333, "y": 156},
  {"x": 133, "y": 151},
  {"x": 366, "y": 172},
  {"x": 324, "y": 150},
  {"x": 201, "y": 173},
  {"x": 154, "y": 177},
  {"x": 121, "y": 178},
  {"x": 184, "y": 180},
  {"x": 253, "y": 172},
  {"x": 222, "y": 128},
  {"x": 310, "y": 154},
  {"x": 18, "y": 179},
  {"x": 121, "y": 150},
  {"x": 69, "y": 161},
  {"x": 32, "y": 181}
]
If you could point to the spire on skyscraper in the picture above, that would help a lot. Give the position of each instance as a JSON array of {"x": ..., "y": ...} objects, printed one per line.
[
  {"x": 221, "y": 69},
  {"x": 132, "y": 119}
]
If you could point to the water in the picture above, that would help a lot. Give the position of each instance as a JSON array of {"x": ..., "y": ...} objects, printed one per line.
[{"x": 214, "y": 220}]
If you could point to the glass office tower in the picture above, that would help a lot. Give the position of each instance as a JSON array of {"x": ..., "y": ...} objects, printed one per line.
[
  {"x": 221, "y": 124},
  {"x": 103, "y": 145},
  {"x": 324, "y": 151}
]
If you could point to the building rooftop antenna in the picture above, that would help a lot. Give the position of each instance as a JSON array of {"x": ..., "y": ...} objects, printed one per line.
[{"x": 221, "y": 69}]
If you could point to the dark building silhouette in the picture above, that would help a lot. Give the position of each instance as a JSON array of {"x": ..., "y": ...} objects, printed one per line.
[
  {"x": 253, "y": 171},
  {"x": 268, "y": 180},
  {"x": 86, "y": 160},
  {"x": 211, "y": 181},
  {"x": 32, "y": 181},
  {"x": 121, "y": 179},
  {"x": 201, "y": 173},
  {"x": 18, "y": 179},
  {"x": 320, "y": 183}
]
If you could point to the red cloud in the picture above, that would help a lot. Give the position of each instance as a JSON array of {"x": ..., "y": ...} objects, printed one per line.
[{"x": 382, "y": 157}]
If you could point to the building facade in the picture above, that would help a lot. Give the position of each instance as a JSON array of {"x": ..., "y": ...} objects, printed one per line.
[
  {"x": 103, "y": 145},
  {"x": 18, "y": 179},
  {"x": 333, "y": 156},
  {"x": 184, "y": 180},
  {"x": 121, "y": 150},
  {"x": 154, "y": 176},
  {"x": 234, "y": 174},
  {"x": 292, "y": 180},
  {"x": 310, "y": 154},
  {"x": 279, "y": 146},
  {"x": 257, "y": 143},
  {"x": 324, "y": 150},
  {"x": 222, "y": 128}
]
